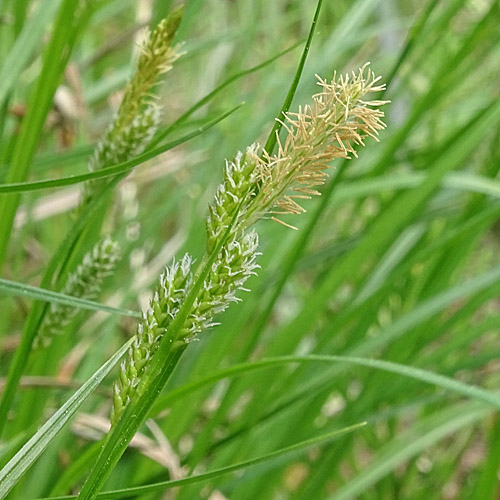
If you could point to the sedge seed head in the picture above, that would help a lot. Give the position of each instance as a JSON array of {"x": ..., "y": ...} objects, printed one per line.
[
  {"x": 85, "y": 283},
  {"x": 339, "y": 119},
  {"x": 157, "y": 57}
]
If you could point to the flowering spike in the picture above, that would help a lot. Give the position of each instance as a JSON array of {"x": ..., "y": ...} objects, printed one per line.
[
  {"x": 84, "y": 283},
  {"x": 236, "y": 265},
  {"x": 234, "y": 194},
  {"x": 116, "y": 147},
  {"x": 138, "y": 117},
  {"x": 254, "y": 184},
  {"x": 338, "y": 120},
  {"x": 157, "y": 57}
]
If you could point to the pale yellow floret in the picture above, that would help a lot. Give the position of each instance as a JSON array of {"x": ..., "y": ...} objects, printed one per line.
[{"x": 337, "y": 121}]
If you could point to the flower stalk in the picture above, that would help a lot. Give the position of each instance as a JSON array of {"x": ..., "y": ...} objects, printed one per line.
[
  {"x": 255, "y": 184},
  {"x": 338, "y": 120}
]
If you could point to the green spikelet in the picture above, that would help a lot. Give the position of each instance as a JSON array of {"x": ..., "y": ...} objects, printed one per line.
[
  {"x": 227, "y": 276},
  {"x": 165, "y": 304},
  {"x": 84, "y": 283},
  {"x": 128, "y": 143},
  {"x": 157, "y": 57},
  {"x": 139, "y": 116}
]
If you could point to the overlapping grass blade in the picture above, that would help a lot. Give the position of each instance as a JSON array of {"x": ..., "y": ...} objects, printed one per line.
[
  {"x": 427, "y": 432},
  {"x": 25, "y": 45},
  {"x": 165, "y": 485},
  {"x": 58, "y": 49}
]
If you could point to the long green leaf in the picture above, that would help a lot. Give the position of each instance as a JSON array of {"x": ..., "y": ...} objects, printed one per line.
[
  {"x": 55, "y": 57},
  {"x": 25, "y": 45},
  {"x": 165, "y": 485},
  {"x": 421, "y": 375},
  {"x": 426, "y": 376},
  {"x": 244, "y": 368},
  {"x": 82, "y": 152},
  {"x": 205, "y": 100},
  {"x": 424, "y": 434},
  {"x": 272, "y": 138},
  {"x": 120, "y": 168},
  {"x": 16, "y": 467},
  {"x": 419, "y": 314},
  {"x": 58, "y": 261},
  {"x": 486, "y": 486}
]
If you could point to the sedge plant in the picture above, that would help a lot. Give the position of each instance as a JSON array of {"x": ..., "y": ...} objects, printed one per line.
[
  {"x": 256, "y": 185},
  {"x": 138, "y": 116},
  {"x": 395, "y": 262}
]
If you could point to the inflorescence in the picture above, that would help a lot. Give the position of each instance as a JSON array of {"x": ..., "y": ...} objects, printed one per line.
[
  {"x": 138, "y": 117},
  {"x": 256, "y": 183},
  {"x": 84, "y": 283}
]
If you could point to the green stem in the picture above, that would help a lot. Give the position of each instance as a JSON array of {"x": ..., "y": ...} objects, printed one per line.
[{"x": 119, "y": 437}]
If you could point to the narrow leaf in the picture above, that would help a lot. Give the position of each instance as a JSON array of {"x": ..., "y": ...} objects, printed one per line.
[
  {"x": 165, "y": 485},
  {"x": 25, "y": 457},
  {"x": 24, "y": 290}
]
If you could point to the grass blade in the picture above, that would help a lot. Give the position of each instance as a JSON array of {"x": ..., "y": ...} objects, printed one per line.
[
  {"x": 272, "y": 138},
  {"x": 27, "y": 42},
  {"x": 419, "y": 374},
  {"x": 22, "y": 290},
  {"x": 165, "y": 485},
  {"x": 38, "y": 108},
  {"x": 426, "y": 433},
  {"x": 16, "y": 467},
  {"x": 121, "y": 168}
]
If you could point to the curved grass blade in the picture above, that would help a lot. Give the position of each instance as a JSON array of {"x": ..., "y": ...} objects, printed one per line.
[
  {"x": 121, "y": 168},
  {"x": 415, "y": 373},
  {"x": 165, "y": 485},
  {"x": 16, "y": 467},
  {"x": 77, "y": 154},
  {"x": 419, "y": 374},
  {"x": 421, "y": 313},
  {"x": 34, "y": 292},
  {"x": 55, "y": 57},
  {"x": 49, "y": 159},
  {"x": 82, "y": 152},
  {"x": 58, "y": 261},
  {"x": 205, "y": 100}
]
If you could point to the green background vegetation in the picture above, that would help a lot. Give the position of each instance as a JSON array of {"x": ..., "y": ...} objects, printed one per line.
[{"x": 397, "y": 261}]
